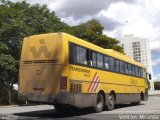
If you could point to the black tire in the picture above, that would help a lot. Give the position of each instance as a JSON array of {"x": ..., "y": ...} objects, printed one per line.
[
  {"x": 99, "y": 103},
  {"x": 111, "y": 102},
  {"x": 59, "y": 108}
]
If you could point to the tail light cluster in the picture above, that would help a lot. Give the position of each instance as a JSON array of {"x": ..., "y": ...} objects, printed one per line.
[
  {"x": 63, "y": 83},
  {"x": 75, "y": 87}
]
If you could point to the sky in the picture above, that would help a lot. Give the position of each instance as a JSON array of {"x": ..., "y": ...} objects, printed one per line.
[{"x": 119, "y": 17}]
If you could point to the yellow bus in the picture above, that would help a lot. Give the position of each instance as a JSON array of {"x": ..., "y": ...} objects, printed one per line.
[{"x": 67, "y": 72}]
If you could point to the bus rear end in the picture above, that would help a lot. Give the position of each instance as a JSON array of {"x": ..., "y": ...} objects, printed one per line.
[{"x": 40, "y": 68}]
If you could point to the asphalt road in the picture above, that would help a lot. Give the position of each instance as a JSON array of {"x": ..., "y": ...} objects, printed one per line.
[{"x": 148, "y": 110}]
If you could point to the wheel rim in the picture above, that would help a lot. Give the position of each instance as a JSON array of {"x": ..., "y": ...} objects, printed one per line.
[{"x": 111, "y": 101}]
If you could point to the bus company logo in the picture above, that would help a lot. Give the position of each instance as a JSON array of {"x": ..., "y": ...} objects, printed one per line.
[
  {"x": 43, "y": 49},
  {"x": 95, "y": 83}
]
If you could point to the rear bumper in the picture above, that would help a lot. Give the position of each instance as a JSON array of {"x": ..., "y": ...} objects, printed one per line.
[{"x": 75, "y": 99}]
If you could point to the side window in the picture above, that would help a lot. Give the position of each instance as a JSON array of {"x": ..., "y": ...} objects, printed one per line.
[
  {"x": 72, "y": 53},
  {"x": 117, "y": 65},
  {"x": 81, "y": 55},
  {"x": 99, "y": 60},
  {"x": 133, "y": 70},
  {"x": 136, "y": 70},
  {"x": 93, "y": 59},
  {"x": 106, "y": 62},
  {"x": 121, "y": 67},
  {"x": 111, "y": 64},
  {"x": 129, "y": 69},
  {"x": 139, "y": 72},
  {"x": 126, "y": 67},
  {"x": 88, "y": 56}
]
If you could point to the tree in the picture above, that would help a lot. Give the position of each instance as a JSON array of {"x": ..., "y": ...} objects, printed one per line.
[
  {"x": 18, "y": 20},
  {"x": 157, "y": 85},
  {"x": 92, "y": 31}
]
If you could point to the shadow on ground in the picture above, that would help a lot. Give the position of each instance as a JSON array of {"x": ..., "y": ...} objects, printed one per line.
[{"x": 52, "y": 114}]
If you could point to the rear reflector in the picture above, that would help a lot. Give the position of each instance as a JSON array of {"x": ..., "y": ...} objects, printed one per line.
[{"x": 63, "y": 83}]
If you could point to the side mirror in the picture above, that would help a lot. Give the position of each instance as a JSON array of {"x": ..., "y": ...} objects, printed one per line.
[{"x": 150, "y": 77}]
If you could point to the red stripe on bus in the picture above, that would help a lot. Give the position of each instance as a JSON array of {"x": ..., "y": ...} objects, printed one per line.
[
  {"x": 92, "y": 81},
  {"x": 95, "y": 82},
  {"x": 97, "y": 85}
]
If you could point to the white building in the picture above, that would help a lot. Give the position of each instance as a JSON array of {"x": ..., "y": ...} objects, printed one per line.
[{"x": 139, "y": 50}]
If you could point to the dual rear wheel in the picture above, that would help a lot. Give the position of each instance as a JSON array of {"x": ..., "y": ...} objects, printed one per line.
[
  {"x": 100, "y": 103},
  {"x": 99, "y": 106}
]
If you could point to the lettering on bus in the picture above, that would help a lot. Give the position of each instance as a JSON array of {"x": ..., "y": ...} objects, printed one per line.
[
  {"x": 133, "y": 82},
  {"x": 79, "y": 69},
  {"x": 85, "y": 71}
]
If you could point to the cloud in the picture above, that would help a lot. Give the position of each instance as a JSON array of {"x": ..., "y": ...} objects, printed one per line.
[
  {"x": 155, "y": 44},
  {"x": 157, "y": 77},
  {"x": 156, "y": 62},
  {"x": 78, "y": 9},
  {"x": 108, "y": 23}
]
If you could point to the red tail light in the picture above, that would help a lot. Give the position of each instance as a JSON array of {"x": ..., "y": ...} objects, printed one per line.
[{"x": 63, "y": 83}]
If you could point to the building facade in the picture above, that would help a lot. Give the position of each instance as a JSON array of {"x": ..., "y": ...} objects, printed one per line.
[{"x": 139, "y": 50}]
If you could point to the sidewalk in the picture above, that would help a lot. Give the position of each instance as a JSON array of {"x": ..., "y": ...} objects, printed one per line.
[{"x": 154, "y": 92}]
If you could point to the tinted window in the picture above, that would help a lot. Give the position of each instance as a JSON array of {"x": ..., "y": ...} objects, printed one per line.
[
  {"x": 93, "y": 59},
  {"x": 121, "y": 66},
  {"x": 126, "y": 68},
  {"x": 106, "y": 62},
  {"x": 111, "y": 64},
  {"x": 133, "y": 70},
  {"x": 84, "y": 56},
  {"x": 117, "y": 65},
  {"x": 99, "y": 60},
  {"x": 72, "y": 53},
  {"x": 129, "y": 69},
  {"x": 81, "y": 55},
  {"x": 136, "y": 70},
  {"x": 139, "y": 72}
]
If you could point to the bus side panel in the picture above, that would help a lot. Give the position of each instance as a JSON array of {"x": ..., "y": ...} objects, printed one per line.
[{"x": 76, "y": 87}]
